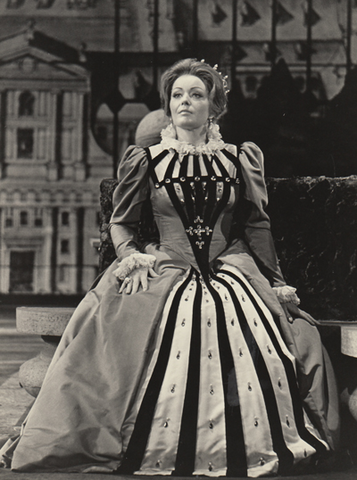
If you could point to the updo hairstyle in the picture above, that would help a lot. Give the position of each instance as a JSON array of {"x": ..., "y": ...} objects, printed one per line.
[{"x": 210, "y": 77}]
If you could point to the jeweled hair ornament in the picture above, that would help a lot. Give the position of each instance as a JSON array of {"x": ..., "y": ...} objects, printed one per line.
[{"x": 224, "y": 78}]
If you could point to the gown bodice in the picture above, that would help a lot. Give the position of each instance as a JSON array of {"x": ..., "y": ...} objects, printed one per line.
[
  {"x": 193, "y": 199},
  {"x": 196, "y": 198}
]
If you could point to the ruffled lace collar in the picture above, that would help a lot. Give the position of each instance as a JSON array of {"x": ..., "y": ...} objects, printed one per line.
[{"x": 214, "y": 144}]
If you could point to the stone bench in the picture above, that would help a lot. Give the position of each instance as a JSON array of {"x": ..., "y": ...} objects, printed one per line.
[{"x": 49, "y": 323}]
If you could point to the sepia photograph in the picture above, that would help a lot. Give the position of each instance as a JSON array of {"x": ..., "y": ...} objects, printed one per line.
[{"x": 178, "y": 239}]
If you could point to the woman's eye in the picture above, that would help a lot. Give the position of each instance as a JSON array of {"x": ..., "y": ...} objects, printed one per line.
[
  {"x": 176, "y": 95},
  {"x": 197, "y": 95}
]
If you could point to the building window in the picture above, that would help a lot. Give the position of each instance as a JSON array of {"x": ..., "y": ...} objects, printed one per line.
[
  {"x": 23, "y": 218},
  {"x": 22, "y": 267},
  {"x": 26, "y": 104},
  {"x": 24, "y": 143},
  {"x": 64, "y": 246},
  {"x": 251, "y": 83},
  {"x": 68, "y": 104},
  {"x": 38, "y": 217},
  {"x": 9, "y": 217},
  {"x": 63, "y": 273},
  {"x": 65, "y": 218}
]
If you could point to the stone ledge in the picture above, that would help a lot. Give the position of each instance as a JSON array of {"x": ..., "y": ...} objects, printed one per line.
[
  {"x": 45, "y": 321},
  {"x": 349, "y": 341}
]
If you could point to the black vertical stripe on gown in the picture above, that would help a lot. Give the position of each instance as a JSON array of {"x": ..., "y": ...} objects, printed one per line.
[{"x": 134, "y": 454}]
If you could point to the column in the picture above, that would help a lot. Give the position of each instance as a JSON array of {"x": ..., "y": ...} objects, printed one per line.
[
  {"x": 80, "y": 171},
  {"x": 47, "y": 249},
  {"x": 2, "y": 221},
  {"x": 90, "y": 239},
  {"x": 5, "y": 270},
  {"x": 54, "y": 241},
  {"x": 2, "y": 132},
  {"x": 79, "y": 249},
  {"x": 54, "y": 137}
]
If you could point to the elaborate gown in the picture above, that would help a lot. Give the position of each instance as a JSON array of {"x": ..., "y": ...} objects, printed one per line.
[{"x": 198, "y": 374}]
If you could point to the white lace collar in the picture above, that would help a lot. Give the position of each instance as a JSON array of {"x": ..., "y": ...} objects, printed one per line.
[{"x": 214, "y": 144}]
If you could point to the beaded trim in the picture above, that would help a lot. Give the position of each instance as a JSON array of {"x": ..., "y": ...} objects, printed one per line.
[{"x": 214, "y": 144}]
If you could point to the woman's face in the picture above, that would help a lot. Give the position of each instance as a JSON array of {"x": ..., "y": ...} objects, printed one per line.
[{"x": 189, "y": 102}]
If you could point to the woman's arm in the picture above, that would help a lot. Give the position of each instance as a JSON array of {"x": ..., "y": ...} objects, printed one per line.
[
  {"x": 257, "y": 238},
  {"x": 257, "y": 231},
  {"x": 128, "y": 199}
]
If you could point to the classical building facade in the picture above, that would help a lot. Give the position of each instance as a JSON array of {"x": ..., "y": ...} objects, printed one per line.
[{"x": 50, "y": 168}]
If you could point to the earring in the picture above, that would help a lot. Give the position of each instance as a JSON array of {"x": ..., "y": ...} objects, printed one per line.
[
  {"x": 171, "y": 129},
  {"x": 213, "y": 129}
]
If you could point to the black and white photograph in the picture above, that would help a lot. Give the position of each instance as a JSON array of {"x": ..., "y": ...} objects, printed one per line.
[{"x": 178, "y": 239}]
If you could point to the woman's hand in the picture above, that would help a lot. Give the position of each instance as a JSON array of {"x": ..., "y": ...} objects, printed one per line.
[
  {"x": 137, "y": 278},
  {"x": 286, "y": 294},
  {"x": 293, "y": 311}
]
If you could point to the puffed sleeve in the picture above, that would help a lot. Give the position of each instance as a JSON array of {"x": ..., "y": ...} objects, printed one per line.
[
  {"x": 128, "y": 199},
  {"x": 255, "y": 227},
  {"x": 257, "y": 231}
]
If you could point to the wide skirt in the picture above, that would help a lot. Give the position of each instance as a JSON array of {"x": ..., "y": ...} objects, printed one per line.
[
  {"x": 219, "y": 396},
  {"x": 191, "y": 377}
]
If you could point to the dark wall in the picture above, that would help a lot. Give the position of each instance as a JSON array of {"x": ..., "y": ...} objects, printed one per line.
[
  {"x": 299, "y": 133},
  {"x": 314, "y": 224}
]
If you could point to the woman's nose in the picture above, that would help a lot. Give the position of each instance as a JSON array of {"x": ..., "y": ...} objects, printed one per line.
[{"x": 185, "y": 100}]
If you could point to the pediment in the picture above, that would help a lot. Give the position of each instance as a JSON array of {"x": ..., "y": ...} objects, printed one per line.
[
  {"x": 34, "y": 55},
  {"x": 32, "y": 66}
]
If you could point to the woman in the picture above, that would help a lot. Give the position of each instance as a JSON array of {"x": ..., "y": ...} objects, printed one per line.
[{"x": 181, "y": 360}]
